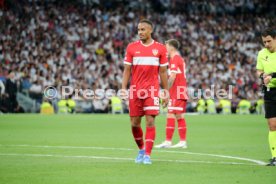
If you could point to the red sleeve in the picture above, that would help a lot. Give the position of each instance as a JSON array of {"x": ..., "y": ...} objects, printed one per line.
[
  {"x": 164, "y": 57},
  {"x": 173, "y": 64},
  {"x": 128, "y": 56}
]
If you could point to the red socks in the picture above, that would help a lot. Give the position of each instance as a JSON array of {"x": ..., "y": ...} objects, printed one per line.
[
  {"x": 182, "y": 129},
  {"x": 170, "y": 128},
  {"x": 150, "y": 137},
  {"x": 137, "y": 133}
]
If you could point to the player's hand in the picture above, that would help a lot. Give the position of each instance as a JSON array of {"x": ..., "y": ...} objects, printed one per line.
[
  {"x": 165, "y": 96},
  {"x": 124, "y": 94},
  {"x": 267, "y": 79},
  {"x": 165, "y": 102}
]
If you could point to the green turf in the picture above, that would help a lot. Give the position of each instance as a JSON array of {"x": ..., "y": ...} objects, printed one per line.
[{"x": 23, "y": 159}]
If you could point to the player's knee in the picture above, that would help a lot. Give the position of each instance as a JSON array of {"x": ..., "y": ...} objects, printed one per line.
[
  {"x": 135, "y": 122},
  {"x": 272, "y": 124},
  {"x": 170, "y": 115},
  {"x": 150, "y": 121},
  {"x": 272, "y": 128},
  {"x": 179, "y": 116}
]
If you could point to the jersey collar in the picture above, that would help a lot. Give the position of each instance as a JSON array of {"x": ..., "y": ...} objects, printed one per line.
[{"x": 148, "y": 44}]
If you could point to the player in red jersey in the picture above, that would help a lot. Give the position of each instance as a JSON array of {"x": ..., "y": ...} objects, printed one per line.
[
  {"x": 178, "y": 97},
  {"x": 144, "y": 62}
]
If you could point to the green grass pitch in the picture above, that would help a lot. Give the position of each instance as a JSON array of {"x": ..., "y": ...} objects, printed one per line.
[{"x": 37, "y": 149}]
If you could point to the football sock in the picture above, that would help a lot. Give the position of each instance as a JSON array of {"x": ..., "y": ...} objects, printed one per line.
[
  {"x": 182, "y": 129},
  {"x": 137, "y": 133},
  {"x": 170, "y": 128},
  {"x": 150, "y": 137},
  {"x": 272, "y": 142}
]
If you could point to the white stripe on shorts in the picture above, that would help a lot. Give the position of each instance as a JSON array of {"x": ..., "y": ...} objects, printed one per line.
[{"x": 151, "y": 108}]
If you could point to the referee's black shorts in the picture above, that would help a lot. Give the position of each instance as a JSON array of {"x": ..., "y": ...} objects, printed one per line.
[{"x": 270, "y": 103}]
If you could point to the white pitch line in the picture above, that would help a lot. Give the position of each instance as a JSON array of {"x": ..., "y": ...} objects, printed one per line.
[
  {"x": 118, "y": 158},
  {"x": 128, "y": 149},
  {"x": 68, "y": 147},
  {"x": 64, "y": 156},
  {"x": 216, "y": 155}
]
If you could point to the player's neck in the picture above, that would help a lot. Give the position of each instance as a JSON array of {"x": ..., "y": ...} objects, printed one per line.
[
  {"x": 272, "y": 51},
  {"x": 173, "y": 53},
  {"x": 147, "y": 42}
]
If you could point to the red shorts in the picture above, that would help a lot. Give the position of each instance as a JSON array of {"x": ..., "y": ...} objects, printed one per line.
[
  {"x": 177, "y": 106},
  {"x": 141, "y": 107}
]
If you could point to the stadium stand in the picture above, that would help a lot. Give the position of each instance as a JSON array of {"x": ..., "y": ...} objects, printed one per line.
[{"x": 82, "y": 43}]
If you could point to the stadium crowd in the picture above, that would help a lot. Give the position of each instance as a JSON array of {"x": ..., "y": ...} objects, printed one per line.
[{"x": 82, "y": 45}]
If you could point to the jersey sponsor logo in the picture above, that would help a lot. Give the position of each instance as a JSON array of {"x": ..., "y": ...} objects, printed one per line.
[
  {"x": 154, "y": 52},
  {"x": 137, "y": 52}
]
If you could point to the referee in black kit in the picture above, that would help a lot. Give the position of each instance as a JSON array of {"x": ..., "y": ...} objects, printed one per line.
[{"x": 266, "y": 70}]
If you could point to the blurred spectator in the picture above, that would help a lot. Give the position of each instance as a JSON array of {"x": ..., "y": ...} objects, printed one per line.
[
  {"x": 100, "y": 105},
  {"x": 11, "y": 90},
  {"x": 35, "y": 91},
  {"x": 65, "y": 43},
  {"x": 2, "y": 88}
]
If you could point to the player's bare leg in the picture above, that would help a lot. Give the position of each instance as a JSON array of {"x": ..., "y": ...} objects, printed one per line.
[
  {"x": 182, "y": 130},
  {"x": 149, "y": 138},
  {"x": 137, "y": 133},
  {"x": 272, "y": 140}
]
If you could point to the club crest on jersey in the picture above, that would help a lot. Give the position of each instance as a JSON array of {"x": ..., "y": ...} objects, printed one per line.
[
  {"x": 265, "y": 59},
  {"x": 155, "y": 51}
]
